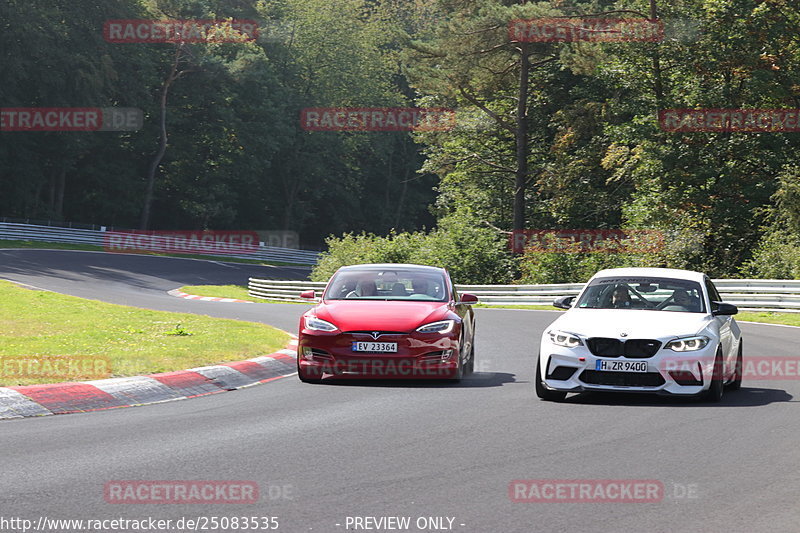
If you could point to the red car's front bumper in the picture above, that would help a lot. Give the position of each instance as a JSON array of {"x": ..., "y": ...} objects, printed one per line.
[{"x": 418, "y": 356}]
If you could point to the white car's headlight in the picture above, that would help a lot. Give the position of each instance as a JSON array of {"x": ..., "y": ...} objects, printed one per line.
[
  {"x": 562, "y": 338},
  {"x": 318, "y": 324},
  {"x": 443, "y": 326},
  {"x": 688, "y": 344}
]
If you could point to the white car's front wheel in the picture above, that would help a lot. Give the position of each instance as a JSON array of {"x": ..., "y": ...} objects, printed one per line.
[
  {"x": 714, "y": 393},
  {"x": 736, "y": 384},
  {"x": 542, "y": 391}
]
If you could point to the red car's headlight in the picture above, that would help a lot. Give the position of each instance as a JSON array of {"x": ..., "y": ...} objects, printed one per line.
[
  {"x": 318, "y": 324},
  {"x": 443, "y": 326}
]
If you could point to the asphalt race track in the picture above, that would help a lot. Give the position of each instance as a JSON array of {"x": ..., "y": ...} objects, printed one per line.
[{"x": 323, "y": 453}]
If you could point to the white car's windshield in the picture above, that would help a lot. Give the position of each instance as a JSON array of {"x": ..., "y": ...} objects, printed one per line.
[
  {"x": 387, "y": 285},
  {"x": 658, "y": 294}
]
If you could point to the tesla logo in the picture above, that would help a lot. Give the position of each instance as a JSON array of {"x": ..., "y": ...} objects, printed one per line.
[
  {"x": 375, "y": 334},
  {"x": 623, "y": 334}
]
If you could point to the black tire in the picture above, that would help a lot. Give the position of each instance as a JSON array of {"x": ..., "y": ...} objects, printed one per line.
[
  {"x": 469, "y": 368},
  {"x": 714, "y": 393},
  {"x": 305, "y": 378},
  {"x": 543, "y": 392},
  {"x": 461, "y": 367},
  {"x": 736, "y": 384},
  {"x": 459, "y": 373}
]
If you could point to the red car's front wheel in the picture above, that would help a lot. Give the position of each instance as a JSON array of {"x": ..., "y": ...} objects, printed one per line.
[{"x": 308, "y": 377}]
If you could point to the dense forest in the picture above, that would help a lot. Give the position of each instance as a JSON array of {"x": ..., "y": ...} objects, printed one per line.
[{"x": 548, "y": 134}]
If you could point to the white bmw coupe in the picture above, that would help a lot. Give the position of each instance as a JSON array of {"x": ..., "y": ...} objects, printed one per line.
[{"x": 653, "y": 330}]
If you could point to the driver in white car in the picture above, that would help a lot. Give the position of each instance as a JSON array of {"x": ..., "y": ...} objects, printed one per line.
[
  {"x": 621, "y": 298},
  {"x": 681, "y": 299}
]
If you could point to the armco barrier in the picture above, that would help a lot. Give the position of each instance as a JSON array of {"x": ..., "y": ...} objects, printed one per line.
[
  {"x": 31, "y": 232},
  {"x": 747, "y": 294},
  {"x": 283, "y": 291}
]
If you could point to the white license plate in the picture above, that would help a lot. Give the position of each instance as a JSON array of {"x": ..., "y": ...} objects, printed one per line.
[
  {"x": 375, "y": 347},
  {"x": 621, "y": 366}
]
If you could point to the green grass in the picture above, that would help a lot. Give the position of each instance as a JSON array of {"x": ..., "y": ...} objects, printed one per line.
[
  {"x": 220, "y": 291},
  {"x": 789, "y": 319},
  {"x": 229, "y": 291},
  {"x": 240, "y": 292},
  {"x": 49, "y": 245},
  {"x": 46, "y": 326},
  {"x": 91, "y": 247},
  {"x": 536, "y": 307}
]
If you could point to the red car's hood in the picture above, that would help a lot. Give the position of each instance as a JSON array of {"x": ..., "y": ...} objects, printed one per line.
[{"x": 380, "y": 315}]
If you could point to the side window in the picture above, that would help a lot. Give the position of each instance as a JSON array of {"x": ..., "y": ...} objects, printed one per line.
[{"x": 713, "y": 295}]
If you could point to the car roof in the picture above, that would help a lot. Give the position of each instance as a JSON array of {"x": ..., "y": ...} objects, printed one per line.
[
  {"x": 651, "y": 272},
  {"x": 396, "y": 266}
]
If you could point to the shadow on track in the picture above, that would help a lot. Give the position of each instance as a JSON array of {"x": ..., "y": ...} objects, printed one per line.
[
  {"x": 744, "y": 397},
  {"x": 137, "y": 271},
  {"x": 476, "y": 380}
]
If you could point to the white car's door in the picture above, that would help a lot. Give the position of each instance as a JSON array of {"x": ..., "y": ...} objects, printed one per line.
[{"x": 725, "y": 327}]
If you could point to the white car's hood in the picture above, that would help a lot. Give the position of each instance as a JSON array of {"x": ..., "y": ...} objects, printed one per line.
[{"x": 637, "y": 324}]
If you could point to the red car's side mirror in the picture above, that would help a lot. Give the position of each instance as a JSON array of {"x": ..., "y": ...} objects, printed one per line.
[
  {"x": 467, "y": 298},
  {"x": 308, "y": 295}
]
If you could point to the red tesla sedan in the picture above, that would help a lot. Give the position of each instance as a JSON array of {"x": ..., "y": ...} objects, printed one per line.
[{"x": 388, "y": 321}]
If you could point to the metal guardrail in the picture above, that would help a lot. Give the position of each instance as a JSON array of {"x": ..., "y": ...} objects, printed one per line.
[
  {"x": 747, "y": 294},
  {"x": 283, "y": 291},
  {"x": 32, "y": 232}
]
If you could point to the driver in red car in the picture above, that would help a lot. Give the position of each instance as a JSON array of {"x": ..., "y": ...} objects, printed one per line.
[
  {"x": 366, "y": 287},
  {"x": 420, "y": 286}
]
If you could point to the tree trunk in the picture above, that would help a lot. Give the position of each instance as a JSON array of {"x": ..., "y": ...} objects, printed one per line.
[
  {"x": 658, "y": 87},
  {"x": 61, "y": 184},
  {"x": 521, "y": 177},
  {"x": 174, "y": 74},
  {"x": 154, "y": 164},
  {"x": 51, "y": 195}
]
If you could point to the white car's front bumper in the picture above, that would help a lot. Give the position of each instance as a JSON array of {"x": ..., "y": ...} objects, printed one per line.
[{"x": 668, "y": 372}]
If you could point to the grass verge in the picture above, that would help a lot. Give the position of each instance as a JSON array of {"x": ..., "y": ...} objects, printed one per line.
[
  {"x": 534, "y": 307},
  {"x": 49, "y": 245},
  {"x": 229, "y": 291},
  {"x": 240, "y": 292},
  {"x": 43, "y": 326},
  {"x": 220, "y": 291},
  {"x": 93, "y": 248},
  {"x": 769, "y": 317},
  {"x": 787, "y": 319}
]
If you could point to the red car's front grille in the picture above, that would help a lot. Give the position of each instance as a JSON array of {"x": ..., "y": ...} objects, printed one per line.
[{"x": 374, "y": 334}]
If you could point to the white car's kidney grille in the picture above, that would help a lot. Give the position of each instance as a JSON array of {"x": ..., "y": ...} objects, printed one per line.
[
  {"x": 603, "y": 347},
  {"x": 632, "y": 348}
]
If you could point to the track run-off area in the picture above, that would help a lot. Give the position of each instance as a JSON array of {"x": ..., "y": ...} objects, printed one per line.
[{"x": 402, "y": 455}]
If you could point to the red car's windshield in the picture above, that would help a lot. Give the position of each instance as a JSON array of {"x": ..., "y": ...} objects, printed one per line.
[{"x": 387, "y": 285}]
